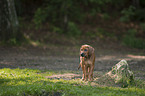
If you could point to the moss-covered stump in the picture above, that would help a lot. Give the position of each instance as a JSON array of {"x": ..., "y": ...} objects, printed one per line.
[{"x": 121, "y": 73}]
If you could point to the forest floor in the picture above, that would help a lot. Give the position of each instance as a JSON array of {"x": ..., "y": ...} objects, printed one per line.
[{"x": 66, "y": 58}]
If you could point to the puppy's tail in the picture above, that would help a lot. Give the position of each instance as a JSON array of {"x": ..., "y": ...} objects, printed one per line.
[{"x": 79, "y": 66}]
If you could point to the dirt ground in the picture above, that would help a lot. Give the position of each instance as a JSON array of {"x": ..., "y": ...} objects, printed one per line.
[{"x": 67, "y": 58}]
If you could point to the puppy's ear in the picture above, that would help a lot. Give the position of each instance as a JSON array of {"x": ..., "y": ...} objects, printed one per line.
[{"x": 91, "y": 50}]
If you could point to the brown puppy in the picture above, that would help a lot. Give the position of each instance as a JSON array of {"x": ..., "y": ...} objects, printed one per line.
[{"x": 87, "y": 60}]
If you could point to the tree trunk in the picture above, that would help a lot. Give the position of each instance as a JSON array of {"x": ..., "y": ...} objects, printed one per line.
[
  {"x": 8, "y": 21},
  {"x": 136, "y": 3}
]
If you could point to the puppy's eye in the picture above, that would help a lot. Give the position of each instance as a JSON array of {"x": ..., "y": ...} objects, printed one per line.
[{"x": 85, "y": 50}]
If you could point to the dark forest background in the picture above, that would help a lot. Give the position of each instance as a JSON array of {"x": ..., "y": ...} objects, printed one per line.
[{"x": 66, "y": 21}]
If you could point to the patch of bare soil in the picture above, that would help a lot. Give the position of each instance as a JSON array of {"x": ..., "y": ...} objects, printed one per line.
[{"x": 67, "y": 76}]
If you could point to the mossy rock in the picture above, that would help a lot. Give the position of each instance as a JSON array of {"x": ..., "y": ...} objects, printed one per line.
[{"x": 121, "y": 73}]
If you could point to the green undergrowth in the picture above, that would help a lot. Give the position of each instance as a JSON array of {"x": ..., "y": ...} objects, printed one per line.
[{"x": 30, "y": 82}]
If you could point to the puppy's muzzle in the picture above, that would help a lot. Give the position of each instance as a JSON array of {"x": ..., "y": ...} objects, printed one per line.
[{"x": 83, "y": 55}]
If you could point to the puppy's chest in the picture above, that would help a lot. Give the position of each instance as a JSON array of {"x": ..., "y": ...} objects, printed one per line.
[{"x": 87, "y": 62}]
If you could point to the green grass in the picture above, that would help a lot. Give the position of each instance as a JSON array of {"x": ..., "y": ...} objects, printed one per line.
[{"x": 29, "y": 82}]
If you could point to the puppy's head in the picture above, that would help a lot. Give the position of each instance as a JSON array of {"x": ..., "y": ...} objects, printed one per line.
[{"x": 86, "y": 51}]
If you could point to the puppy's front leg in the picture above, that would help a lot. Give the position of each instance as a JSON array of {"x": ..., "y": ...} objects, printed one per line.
[
  {"x": 91, "y": 69},
  {"x": 86, "y": 72},
  {"x": 82, "y": 63},
  {"x": 83, "y": 68}
]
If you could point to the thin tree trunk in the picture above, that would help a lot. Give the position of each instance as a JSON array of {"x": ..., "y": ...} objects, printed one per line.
[
  {"x": 8, "y": 20},
  {"x": 136, "y": 3},
  {"x": 4, "y": 20},
  {"x": 13, "y": 16}
]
